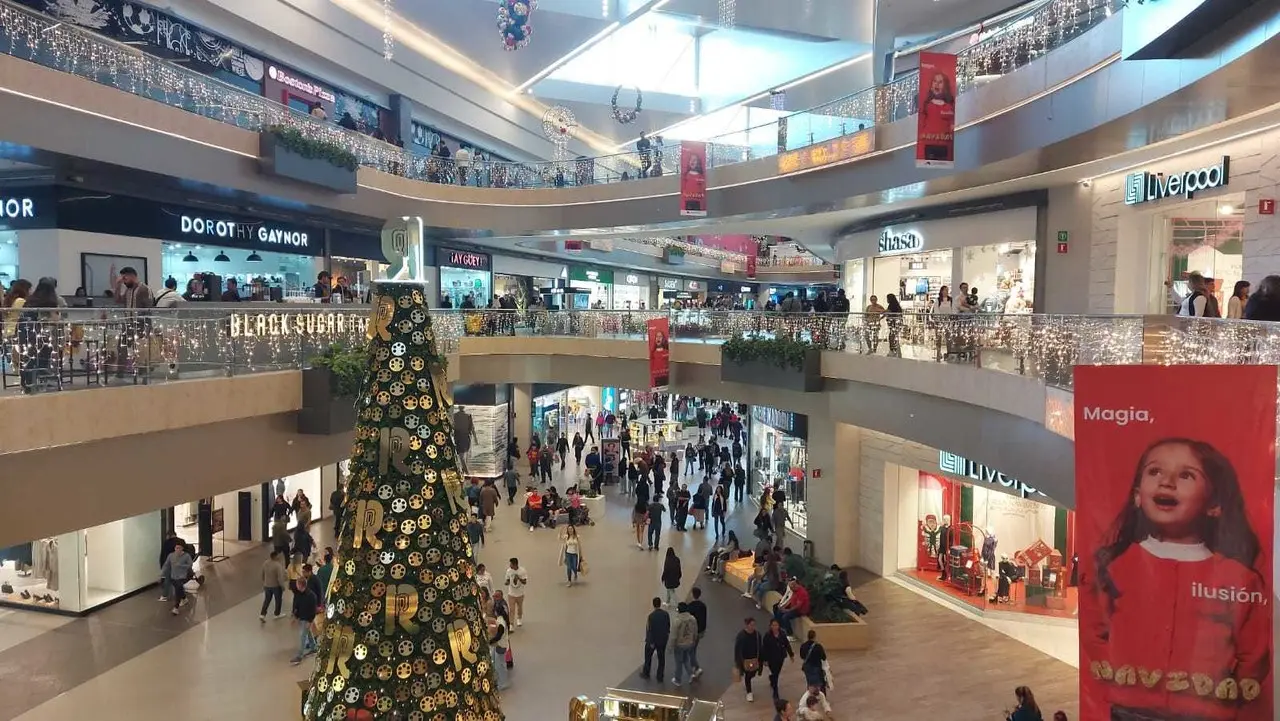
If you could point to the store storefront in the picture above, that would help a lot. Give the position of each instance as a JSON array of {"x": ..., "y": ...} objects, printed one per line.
[
  {"x": 1180, "y": 215},
  {"x": 523, "y": 278},
  {"x": 268, "y": 262},
  {"x": 565, "y": 411},
  {"x": 974, "y": 535},
  {"x": 630, "y": 291},
  {"x": 779, "y": 459},
  {"x": 597, "y": 283},
  {"x": 992, "y": 252},
  {"x": 465, "y": 275},
  {"x": 741, "y": 296}
]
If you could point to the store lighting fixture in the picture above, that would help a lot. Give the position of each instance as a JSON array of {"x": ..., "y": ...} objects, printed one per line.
[
  {"x": 253, "y": 258},
  {"x": 221, "y": 258},
  {"x": 1226, "y": 209},
  {"x": 190, "y": 258}
]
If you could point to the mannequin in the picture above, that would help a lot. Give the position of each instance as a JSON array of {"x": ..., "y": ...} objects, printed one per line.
[
  {"x": 929, "y": 535},
  {"x": 989, "y": 551},
  {"x": 944, "y": 546},
  {"x": 1008, "y": 574}
]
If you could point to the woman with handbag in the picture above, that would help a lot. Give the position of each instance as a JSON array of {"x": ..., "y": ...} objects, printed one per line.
[
  {"x": 813, "y": 661},
  {"x": 671, "y": 575},
  {"x": 747, "y": 648}
]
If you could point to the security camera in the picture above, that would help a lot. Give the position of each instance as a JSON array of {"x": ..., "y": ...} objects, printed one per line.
[{"x": 1087, "y": 182}]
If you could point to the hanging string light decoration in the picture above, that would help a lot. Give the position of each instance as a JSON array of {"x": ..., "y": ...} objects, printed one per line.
[
  {"x": 388, "y": 40},
  {"x": 513, "y": 23},
  {"x": 559, "y": 124},
  {"x": 626, "y": 117},
  {"x": 728, "y": 13}
]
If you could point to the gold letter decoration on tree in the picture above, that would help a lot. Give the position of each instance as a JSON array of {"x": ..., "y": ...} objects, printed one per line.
[{"x": 405, "y": 638}]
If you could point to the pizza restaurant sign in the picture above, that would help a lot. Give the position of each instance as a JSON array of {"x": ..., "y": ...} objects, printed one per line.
[
  {"x": 244, "y": 325},
  {"x": 964, "y": 468}
]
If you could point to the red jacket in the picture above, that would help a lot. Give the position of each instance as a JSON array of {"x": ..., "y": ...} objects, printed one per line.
[
  {"x": 799, "y": 600},
  {"x": 1170, "y": 619}
]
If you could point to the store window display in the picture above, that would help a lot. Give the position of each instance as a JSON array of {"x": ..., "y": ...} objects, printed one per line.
[
  {"x": 914, "y": 279},
  {"x": 1003, "y": 275},
  {"x": 1205, "y": 237},
  {"x": 780, "y": 461},
  {"x": 989, "y": 549}
]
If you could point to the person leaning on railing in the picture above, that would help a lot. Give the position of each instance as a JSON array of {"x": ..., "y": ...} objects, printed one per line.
[{"x": 1264, "y": 304}]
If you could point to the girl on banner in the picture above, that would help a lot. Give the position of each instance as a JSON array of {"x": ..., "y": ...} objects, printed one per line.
[
  {"x": 1183, "y": 631},
  {"x": 938, "y": 119}
]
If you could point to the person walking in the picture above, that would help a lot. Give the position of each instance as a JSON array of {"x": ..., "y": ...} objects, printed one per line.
[
  {"x": 690, "y": 456},
  {"x": 562, "y": 450},
  {"x": 739, "y": 483},
  {"x": 655, "y": 522},
  {"x": 657, "y": 630},
  {"x": 640, "y": 519},
  {"x": 305, "y": 605},
  {"x": 698, "y": 608},
  {"x": 578, "y": 445},
  {"x": 512, "y": 477},
  {"x": 747, "y": 648},
  {"x": 489, "y": 498},
  {"x": 719, "y": 507},
  {"x": 571, "y": 554},
  {"x": 274, "y": 579},
  {"x": 174, "y": 573},
  {"x": 514, "y": 583},
  {"x": 774, "y": 651},
  {"x": 813, "y": 656},
  {"x": 685, "y": 637},
  {"x": 624, "y": 438},
  {"x": 545, "y": 458},
  {"x": 671, "y": 574}
]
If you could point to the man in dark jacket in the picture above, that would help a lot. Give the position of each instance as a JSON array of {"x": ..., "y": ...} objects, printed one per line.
[
  {"x": 698, "y": 608},
  {"x": 656, "y": 632},
  {"x": 305, "y": 605},
  {"x": 337, "y": 505}
]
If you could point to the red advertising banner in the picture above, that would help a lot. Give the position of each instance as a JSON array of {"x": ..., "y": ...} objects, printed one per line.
[
  {"x": 936, "y": 120},
  {"x": 1175, "y": 503},
  {"x": 693, "y": 179},
  {"x": 659, "y": 352}
]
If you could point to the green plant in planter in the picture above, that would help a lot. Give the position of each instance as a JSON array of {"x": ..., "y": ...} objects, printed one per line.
[
  {"x": 347, "y": 365},
  {"x": 825, "y": 591},
  {"x": 294, "y": 140},
  {"x": 782, "y": 352}
]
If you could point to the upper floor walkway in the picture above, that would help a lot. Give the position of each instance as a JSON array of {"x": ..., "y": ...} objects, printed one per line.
[
  {"x": 187, "y": 402},
  {"x": 1020, "y": 99}
]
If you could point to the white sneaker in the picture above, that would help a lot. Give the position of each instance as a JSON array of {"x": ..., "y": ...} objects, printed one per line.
[
  {"x": 163, "y": 598},
  {"x": 174, "y": 612},
  {"x": 751, "y": 696},
  {"x": 519, "y": 622},
  {"x": 277, "y": 617},
  {"x": 262, "y": 618},
  {"x": 696, "y": 673},
  {"x": 530, "y": 529},
  {"x": 676, "y": 682}
]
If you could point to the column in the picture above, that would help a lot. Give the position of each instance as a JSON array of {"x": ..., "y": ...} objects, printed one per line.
[
  {"x": 522, "y": 413},
  {"x": 400, "y": 120},
  {"x": 329, "y": 480},
  {"x": 832, "y": 499}
]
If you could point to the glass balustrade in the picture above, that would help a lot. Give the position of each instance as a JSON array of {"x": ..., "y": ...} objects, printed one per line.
[
  {"x": 68, "y": 48},
  {"x": 84, "y": 348}
]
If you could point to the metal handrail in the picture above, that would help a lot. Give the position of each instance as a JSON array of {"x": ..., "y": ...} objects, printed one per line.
[
  {"x": 79, "y": 51},
  {"x": 59, "y": 349}
]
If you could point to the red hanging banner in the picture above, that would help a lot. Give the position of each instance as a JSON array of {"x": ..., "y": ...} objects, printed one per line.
[
  {"x": 1175, "y": 502},
  {"x": 693, "y": 179},
  {"x": 936, "y": 118},
  {"x": 659, "y": 352}
]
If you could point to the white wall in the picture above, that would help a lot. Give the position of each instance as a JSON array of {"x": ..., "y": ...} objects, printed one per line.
[
  {"x": 1063, "y": 285},
  {"x": 57, "y": 253},
  {"x": 105, "y": 557},
  {"x": 878, "y": 495}
]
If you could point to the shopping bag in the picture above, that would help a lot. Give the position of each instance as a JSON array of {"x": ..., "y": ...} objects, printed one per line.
[
  {"x": 582, "y": 568},
  {"x": 826, "y": 675}
]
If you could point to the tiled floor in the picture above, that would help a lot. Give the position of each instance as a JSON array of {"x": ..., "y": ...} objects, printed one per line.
[{"x": 135, "y": 662}]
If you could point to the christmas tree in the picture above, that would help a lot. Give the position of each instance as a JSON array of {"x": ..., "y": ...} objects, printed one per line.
[{"x": 404, "y": 637}]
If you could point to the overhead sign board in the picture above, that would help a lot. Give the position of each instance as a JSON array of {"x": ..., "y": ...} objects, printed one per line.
[
  {"x": 846, "y": 147},
  {"x": 1146, "y": 186},
  {"x": 892, "y": 242}
]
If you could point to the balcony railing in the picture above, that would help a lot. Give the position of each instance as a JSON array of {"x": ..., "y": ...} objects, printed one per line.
[
  {"x": 71, "y": 348},
  {"x": 31, "y": 36}
]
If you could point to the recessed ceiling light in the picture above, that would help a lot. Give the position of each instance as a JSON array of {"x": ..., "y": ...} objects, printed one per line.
[{"x": 1226, "y": 209}]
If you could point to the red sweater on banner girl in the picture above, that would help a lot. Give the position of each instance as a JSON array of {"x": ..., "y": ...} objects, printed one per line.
[{"x": 1180, "y": 627}]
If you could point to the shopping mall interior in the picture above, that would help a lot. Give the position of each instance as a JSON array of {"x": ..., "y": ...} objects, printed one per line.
[{"x": 375, "y": 360}]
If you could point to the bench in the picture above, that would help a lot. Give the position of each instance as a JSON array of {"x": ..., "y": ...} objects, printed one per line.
[
  {"x": 737, "y": 572},
  {"x": 853, "y": 635}
]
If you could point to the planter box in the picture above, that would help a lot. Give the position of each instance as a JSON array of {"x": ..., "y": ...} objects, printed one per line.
[
  {"x": 807, "y": 379},
  {"x": 324, "y": 414},
  {"x": 852, "y": 636},
  {"x": 275, "y": 159}
]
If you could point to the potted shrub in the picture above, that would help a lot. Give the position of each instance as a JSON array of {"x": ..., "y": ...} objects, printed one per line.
[
  {"x": 839, "y": 629},
  {"x": 289, "y": 153},
  {"x": 777, "y": 362},
  {"x": 329, "y": 390}
]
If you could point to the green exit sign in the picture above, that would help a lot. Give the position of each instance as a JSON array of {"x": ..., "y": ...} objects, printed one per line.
[{"x": 1063, "y": 236}]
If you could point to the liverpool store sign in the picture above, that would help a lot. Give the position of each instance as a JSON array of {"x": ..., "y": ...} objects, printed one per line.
[{"x": 1143, "y": 187}]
